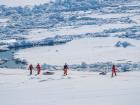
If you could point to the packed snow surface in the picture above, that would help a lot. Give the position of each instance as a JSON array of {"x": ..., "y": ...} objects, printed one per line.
[
  {"x": 78, "y": 88},
  {"x": 89, "y": 50}
]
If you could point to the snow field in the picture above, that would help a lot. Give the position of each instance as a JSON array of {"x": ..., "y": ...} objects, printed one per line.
[
  {"x": 78, "y": 88},
  {"x": 89, "y": 50},
  {"x": 15, "y": 3},
  {"x": 38, "y": 34}
]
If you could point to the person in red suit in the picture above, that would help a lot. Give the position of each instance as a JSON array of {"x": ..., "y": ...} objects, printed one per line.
[
  {"x": 113, "y": 70},
  {"x": 65, "y": 69},
  {"x": 38, "y": 69}
]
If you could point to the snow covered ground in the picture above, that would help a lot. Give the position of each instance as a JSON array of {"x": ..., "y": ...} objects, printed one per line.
[
  {"x": 14, "y": 3},
  {"x": 78, "y": 88},
  {"x": 89, "y": 50},
  {"x": 106, "y": 16},
  {"x": 119, "y": 26},
  {"x": 3, "y": 21},
  {"x": 38, "y": 34}
]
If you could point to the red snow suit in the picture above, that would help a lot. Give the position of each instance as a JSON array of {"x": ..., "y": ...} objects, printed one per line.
[
  {"x": 38, "y": 69},
  {"x": 65, "y": 69},
  {"x": 113, "y": 70}
]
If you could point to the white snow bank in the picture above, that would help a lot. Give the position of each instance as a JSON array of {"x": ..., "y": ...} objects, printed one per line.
[
  {"x": 136, "y": 19},
  {"x": 107, "y": 16},
  {"x": 4, "y": 48},
  {"x": 14, "y": 3},
  {"x": 8, "y": 41},
  {"x": 90, "y": 50},
  {"x": 5, "y": 43},
  {"x": 78, "y": 88},
  {"x": 133, "y": 3},
  {"x": 38, "y": 34},
  {"x": 91, "y": 28},
  {"x": 3, "y": 20}
]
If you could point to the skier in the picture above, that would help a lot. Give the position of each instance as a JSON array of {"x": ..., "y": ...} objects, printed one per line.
[
  {"x": 113, "y": 70},
  {"x": 38, "y": 69},
  {"x": 65, "y": 69},
  {"x": 31, "y": 69}
]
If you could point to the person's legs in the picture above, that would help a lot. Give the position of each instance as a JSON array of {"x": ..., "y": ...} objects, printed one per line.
[
  {"x": 38, "y": 71},
  {"x": 115, "y": 73},
  {"x": 30, "y": 72},
  {"x": 65, "y": 72},
  {"x": 112, "y": 73}
]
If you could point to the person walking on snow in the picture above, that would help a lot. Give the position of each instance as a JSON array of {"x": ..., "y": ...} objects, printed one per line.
[
  {"x": 31, "y": 69},
  {"x": 65, "y": 69},
  {"x": 38, "y": 69},
  {"x": 113, "y": 70}
]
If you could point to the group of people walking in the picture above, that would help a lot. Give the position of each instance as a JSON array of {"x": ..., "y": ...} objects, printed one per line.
[
  {"x": 65, "y": 69},
  {"x": 38, "y": 68},
  {"x": 31, "y": 68}
]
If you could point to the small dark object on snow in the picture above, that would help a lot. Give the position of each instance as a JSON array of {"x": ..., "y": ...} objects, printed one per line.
[
  {"x": 102, "y": 73},
  {"x": 48, "y": 73}
]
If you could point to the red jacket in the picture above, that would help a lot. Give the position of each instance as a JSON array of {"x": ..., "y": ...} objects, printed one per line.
[
  {"x": 38, "y": 67},
  {"x": 113, "y": 68}
]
